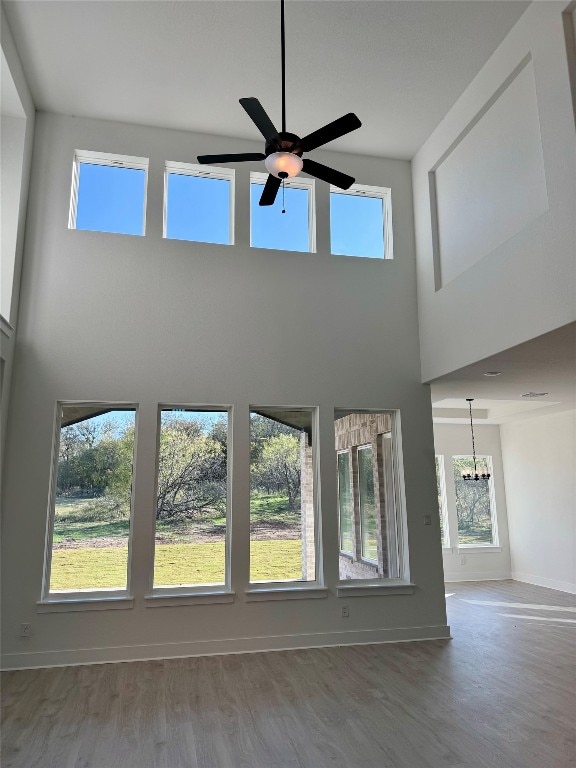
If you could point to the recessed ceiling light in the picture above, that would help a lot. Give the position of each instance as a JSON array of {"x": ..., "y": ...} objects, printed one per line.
[
  {"x": 535, "y": 394},
  {"x": 493, "y": 373}
]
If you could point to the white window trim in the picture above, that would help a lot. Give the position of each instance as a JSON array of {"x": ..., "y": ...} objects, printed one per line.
[
  {"x": 494, "y": 545},
  {"x": 105, "y": 158},
  {"x": 292, "y": 588},
  {"x": 205, "y": 172},
  {"x": 443, "y": 500},
  {"x": 178, "y": 594},
  {"x": 385, "y": 194},
  {"x": 359, "y": 448},
  {"x": 88, "y": 596},
  {"x": 294, "y": 183}
]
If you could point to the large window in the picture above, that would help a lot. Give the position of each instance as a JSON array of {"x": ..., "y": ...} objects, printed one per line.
[
  {"x": 199, "y": 203},
  {"x": 475, "y": 509},
  {"x": 282, "y": 518},
  {"x": 289, "y": 224},
  {"x": 361, "y": 222},
  {"x": 90, "y": 521},
  {"x": 108, "y": 193},
  {"x": 192, "y": 498},
  {"x": 369, "y": 495}
]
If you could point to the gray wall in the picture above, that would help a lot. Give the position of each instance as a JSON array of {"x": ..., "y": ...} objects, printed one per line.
[{"x": 142, "y": 319}]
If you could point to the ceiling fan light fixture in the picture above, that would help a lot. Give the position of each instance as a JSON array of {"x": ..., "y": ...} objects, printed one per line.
[{"x": 283, "y": 165}]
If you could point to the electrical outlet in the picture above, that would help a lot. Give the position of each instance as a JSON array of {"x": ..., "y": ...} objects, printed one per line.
[
  {"x": 462, "y": 560},
  {"x": 345, "y": 612},
  {"x": 427, "y": 519},
  {"x": 25, "y": 629}
]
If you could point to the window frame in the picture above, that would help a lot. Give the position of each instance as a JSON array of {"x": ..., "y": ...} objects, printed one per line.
[
  {"x": 385, "y": 194},
  {"x": 364, "y": 447},
  {"x": 201, "y": 171},
  {"x": 291, "y": 588},
  {"x": 347, "y": 452},
  {"x": 194, "y": 590},
  {"x": 443, "y": 509},
  {"x": 85, "y": 595},
  {"x": 109, "y": 159},
  {"x": 295, "y": 182},
  {"x": 495, "y": 543}
]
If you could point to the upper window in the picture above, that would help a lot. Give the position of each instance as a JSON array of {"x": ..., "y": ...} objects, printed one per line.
[
  {"x": 199, "y": 203},
  {"x": 475, "y": 507},
  {"x": 361, "y": 222},
  {"x": 108, "y": 193},
  {"x": 90, "y": 520},
  {"x": 289, "y": 224},
  {"x": 192, "y": 498}
]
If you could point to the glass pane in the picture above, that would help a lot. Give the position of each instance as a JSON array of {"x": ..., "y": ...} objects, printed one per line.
[
  {"x": 93, "y": 499},
  {"x": 282, "y": 532},
  {"x": 270, "y": 228},
  {"x": 190, "y": 542},
  {"x": 439, "y": 488},
  {"x": 356, "y": 225},
  {"x": 198, "y": 208},
  {"x": 472, "y": 502},
  {"x": 345, "y": 503},
  {"x": 367, "y": 504},
  {"x": 111, "y": 199}
]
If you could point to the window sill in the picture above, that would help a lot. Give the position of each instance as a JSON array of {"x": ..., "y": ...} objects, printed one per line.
[
  {"x": 477, "y": 549},
  {"x": 66, "y": 604},
  {"x": 167, "y": 599},
  {"x": 255, "y": 594},
  {"x": 369, "y": 590}
]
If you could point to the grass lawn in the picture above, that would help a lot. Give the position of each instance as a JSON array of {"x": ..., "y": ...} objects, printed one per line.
[{"x": 175, "y": 564}]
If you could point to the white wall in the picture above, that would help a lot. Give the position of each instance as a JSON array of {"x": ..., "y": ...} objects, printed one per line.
[
  {"x": 16, "y": 157},
  {"x": 539, "y": 457},
  {"x": 478, "y": 563},
  {"x": 146, "y": 320},
  {"x": 494, "y": 192}
]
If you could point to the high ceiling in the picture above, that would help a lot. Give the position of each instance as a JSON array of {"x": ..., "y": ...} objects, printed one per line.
[{"x": 399, "y": 65}]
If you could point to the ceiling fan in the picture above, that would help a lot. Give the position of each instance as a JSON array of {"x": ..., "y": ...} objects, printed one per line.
[{"x": 283, "y": 151}]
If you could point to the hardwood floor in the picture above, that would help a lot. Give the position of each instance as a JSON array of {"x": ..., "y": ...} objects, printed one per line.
[{"x": 501, "y": 694}]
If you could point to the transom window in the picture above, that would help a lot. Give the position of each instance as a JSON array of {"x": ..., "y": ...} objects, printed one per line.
[
  {"x": 199, "y": 203},
  {"x": 108, "y": 193},
  {"x": 293, "y": 230},
  {"x": 361, "y": 222}
]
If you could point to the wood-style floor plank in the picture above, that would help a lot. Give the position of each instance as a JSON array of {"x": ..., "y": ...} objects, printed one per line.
[{"x": 501, "y": 694}]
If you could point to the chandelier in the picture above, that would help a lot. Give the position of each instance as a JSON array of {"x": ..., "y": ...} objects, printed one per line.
[{"x": 467, "y": 475}]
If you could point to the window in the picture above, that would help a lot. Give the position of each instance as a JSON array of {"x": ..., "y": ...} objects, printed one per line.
[
  {"x": 475, "y": 508},
  {"x": 361, "y": 222},
  {"x": 192, "y": 498},
  {"x": 345, "y": 504},
  {"x": 282, "y": 517},
  {"x": 290, "y": 231},
  {"x": 108, "y": 193},
  {"x": 442, "y": 504},
  {"x": 89, "y": 528},
  {"x": 370, "y": 506},
  {"x": 199, "y": 203}
]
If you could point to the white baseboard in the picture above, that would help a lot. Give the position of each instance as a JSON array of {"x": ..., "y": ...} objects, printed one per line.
[
  {"x": 81, "y": 656},
  {"x": 478, "y": 576},
  {"x": 538, "y": 581}
]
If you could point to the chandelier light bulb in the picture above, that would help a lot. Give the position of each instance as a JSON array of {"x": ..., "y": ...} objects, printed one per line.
[{"x": 283, "y": 164}]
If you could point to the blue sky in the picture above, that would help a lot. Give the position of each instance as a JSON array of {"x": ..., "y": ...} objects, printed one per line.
[{"x": 111, "y": 199}]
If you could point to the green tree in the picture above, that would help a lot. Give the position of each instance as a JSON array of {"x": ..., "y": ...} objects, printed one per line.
[{"x": 278, "y": 466}]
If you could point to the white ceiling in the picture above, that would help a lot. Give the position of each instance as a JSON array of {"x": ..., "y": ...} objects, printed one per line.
[
  {"x": 545, "y": 364},
  {"x": 399, "y": 65}
]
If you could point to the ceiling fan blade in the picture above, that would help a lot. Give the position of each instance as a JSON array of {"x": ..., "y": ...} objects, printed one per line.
[
  {"x": 270, "y": 190},
  {"x": 323, "y": 172},
  {"x": 258, "y": 115},
  {"x": 330, "y": 132},
  {"x": 243, "y": 157}
]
